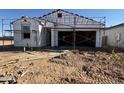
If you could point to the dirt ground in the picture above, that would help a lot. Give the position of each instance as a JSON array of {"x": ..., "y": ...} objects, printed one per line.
[{"x": 65, "y": 67}]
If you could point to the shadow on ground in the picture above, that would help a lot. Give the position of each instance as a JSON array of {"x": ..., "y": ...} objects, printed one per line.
[{"x": 59, "y": 49}]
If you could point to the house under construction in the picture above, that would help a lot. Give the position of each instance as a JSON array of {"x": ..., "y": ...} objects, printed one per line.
[{"x": 58, "y": 29}]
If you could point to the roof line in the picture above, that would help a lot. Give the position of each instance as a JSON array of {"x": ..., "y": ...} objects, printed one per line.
[
  {"x": 72, "y": 14},
  {"x": 118, "y": 25},
  {"x": 28, "y": 18}
]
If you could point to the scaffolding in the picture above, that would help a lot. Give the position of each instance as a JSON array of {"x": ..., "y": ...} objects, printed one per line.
[
  {"x": 7, "y": 29},
  {"x": 76, "y": 24},
  {"x": 71, "y": 22}
]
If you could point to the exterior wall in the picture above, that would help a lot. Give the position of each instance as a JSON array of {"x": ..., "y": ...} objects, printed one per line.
[
  {"x": 54, "y": 38},
  {"x": 99, "y": 35},
  {"x": 36, "y": 34},
  {"x": 115, "y": 37},
  {"x": 69, "y": 19}
]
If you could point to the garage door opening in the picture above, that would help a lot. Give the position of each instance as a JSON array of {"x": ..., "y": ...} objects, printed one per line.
[{"x": 83, "y": 38}]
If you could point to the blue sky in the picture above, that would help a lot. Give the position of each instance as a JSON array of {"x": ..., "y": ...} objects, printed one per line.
[{"x": 113, "y": 16}]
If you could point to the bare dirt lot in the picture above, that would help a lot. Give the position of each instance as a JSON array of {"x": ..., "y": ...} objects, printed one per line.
[{"x": 73, "y": 67}]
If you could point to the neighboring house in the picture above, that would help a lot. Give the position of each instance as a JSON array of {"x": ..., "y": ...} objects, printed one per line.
[
  {"x": 115, "y": 36},
  {"x": 56, "y": 29}
]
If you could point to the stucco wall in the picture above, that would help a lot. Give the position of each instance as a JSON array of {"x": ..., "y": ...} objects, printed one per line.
[
  {"x": 69, "y": 19},
  {"x": 35, "y": 34},
  {"x": 38, "y": 38},
  {"x": 115, "y": 37}
]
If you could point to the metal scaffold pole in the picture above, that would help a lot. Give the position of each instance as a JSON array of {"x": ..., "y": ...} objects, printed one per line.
[
  {"x": 7, "y": 31},
  {"x": 2, "y": 32},
  {"x": 11, "y": 32}
]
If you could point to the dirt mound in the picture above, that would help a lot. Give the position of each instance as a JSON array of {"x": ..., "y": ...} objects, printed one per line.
[
  {"x": 70, "y": 67},
  {"x": 100, "y": 67}
]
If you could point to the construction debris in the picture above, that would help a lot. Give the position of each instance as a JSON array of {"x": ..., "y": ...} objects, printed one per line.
[
  {"x": 7, "y": 80},
  {"x": 102, "y": 66},
  {"x": 73, "y": 67}
]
